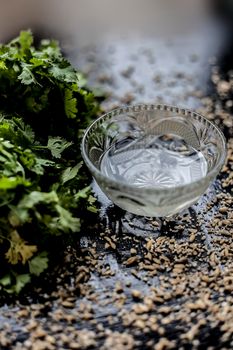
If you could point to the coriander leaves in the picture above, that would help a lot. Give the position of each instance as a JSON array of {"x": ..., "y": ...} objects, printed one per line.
[{"x": 44, "y": 190}]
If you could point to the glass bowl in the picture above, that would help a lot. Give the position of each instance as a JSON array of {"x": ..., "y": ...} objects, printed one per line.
[{"x": 153, "y": 160}]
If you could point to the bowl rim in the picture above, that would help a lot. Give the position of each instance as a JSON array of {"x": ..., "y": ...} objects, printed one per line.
[{"x": 148, "y": 189}]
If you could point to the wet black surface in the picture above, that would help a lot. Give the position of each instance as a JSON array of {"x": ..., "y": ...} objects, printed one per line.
[{"x": 151, "y": 70}]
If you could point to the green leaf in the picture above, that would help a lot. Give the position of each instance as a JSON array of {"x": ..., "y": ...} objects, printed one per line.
[
  {"x": 70, "y": 104},
  {"x": 21, "y": 281},
  {"x": 38, "y": 264},
  {"x": 91, "y": 200},
  {"x": 16, "y": 68},
  {"x": 9, "y": 183},
  {"x": 67, "y": 74},
  {"x": 65, "y": 221},
  {"x": 70, "y": 173},
  {"x": 82, "y": 81},
  {"x": 57, "y": 145},
  {"x": 25, "y": 129},
  {"x": 25, "y": 40},
  {"x": 5, "y": 280},
  {"x": 83, "y": 193},
  {"x": 92, "y": 209},
  {"x": 3, "y": 65},
  {"x": 50, "y": 49},
  {"x": 40, "y": 164},
  {"x": 29, "y": 202},
  {"x": 27, "y": 77},
  {"x": 37, "y": 62}
]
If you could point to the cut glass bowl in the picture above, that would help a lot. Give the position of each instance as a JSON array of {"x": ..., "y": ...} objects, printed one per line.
[{"x": 153, "y": 160}]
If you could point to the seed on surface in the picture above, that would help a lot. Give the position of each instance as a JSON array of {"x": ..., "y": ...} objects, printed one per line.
[{"x": 136, "y": 294}]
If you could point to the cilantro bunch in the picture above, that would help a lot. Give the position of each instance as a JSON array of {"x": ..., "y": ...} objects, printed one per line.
[{"x": 44, "y": 192}]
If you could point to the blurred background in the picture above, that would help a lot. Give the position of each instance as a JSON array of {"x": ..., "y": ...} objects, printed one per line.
[
  {"x": 136, "y": 51},
  {"x": 89, "y": 20}
]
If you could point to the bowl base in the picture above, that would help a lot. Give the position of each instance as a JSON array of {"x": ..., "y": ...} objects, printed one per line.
[{"x": 121, "y": 222}]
